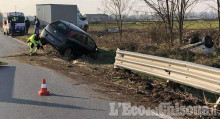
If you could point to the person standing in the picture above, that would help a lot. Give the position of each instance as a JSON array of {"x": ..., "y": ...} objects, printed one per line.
[
  {"x": 37, "y": 25},
  {"x": 12, "y": 27},
  {"x": 27, "y": 25}
]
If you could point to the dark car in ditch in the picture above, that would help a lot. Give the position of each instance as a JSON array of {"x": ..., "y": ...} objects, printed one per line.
[{"x": 69, "y": 40}]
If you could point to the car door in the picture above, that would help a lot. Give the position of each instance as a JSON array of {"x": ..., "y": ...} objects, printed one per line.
[
  {"x": 80, "y": 40},
  {"x": 85, "y": 42}
]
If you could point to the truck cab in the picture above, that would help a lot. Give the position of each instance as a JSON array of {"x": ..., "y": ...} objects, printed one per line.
[
  {"x": 82, "y": 22},
  {"x": 18, "y": 18}
]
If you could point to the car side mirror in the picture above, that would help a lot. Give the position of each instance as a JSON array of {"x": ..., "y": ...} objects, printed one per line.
[{"x": 84, "y": 18}]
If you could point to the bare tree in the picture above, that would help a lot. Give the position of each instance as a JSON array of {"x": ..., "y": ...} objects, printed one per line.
[
  {"x": 166, "y": 10},
  {"x": 119, "y": 9},
  {"x": 170, "y": 10},
  {"x": 182, "y": 6},
  {"x": 218, "y": 8},
  {"x": 218, "y": 11}
]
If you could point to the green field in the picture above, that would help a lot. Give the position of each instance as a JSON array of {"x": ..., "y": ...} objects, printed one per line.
[
  {"x": 201, "y": 24},
  {"x": 140, "y": 25}
]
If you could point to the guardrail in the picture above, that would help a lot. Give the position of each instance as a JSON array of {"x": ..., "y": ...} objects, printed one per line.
[{"x": 186, "y": 73}]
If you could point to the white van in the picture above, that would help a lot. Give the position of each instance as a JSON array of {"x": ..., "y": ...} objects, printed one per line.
[{"x": 18, "y": 18}]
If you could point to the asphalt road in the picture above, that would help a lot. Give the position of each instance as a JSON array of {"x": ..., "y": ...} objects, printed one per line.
[
  {"x": 9, "y": 46},
  {"x": 69, "y": 99}
]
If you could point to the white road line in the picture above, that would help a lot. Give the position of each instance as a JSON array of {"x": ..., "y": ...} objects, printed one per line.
[
  {"x": 17, "y": 40},
  {"x": 20, "y": 41}
]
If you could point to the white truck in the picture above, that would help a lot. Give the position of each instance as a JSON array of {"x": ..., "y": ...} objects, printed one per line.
[
  {"x": 18, "y": 18},
  {"x": 48, "y": 13}
]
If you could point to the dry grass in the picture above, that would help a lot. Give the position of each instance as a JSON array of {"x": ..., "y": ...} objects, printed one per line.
[
  {"x": 153, "y": 42},
  {"x": 148, "y": 41}
]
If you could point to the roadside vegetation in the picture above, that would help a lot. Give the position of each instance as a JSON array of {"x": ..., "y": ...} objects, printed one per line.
[
  {"x": 200, "y": 24},
  {"x": 147, "y": 38},
  {"x": 163, "y": 37},
  {"x": 151, "y": 40},
  {"x": 142, "y": 37}
]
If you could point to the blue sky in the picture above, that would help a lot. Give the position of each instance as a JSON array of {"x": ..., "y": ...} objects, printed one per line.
[{"x": 85, "y": 6}]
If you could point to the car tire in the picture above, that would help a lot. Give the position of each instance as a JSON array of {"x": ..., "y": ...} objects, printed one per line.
[
  {"x": 69, "y": 55},
  {"x": 87, "y": 58},
  {"x": 208, "y": 41},
  {"x": 94, "y": 56},
  {"x": 22, "y": 33}
]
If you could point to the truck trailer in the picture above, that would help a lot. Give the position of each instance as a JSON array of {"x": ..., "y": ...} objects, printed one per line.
[{"x": 48, "y": 13}]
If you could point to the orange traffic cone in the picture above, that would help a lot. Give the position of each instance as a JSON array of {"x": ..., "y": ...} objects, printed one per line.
[{"x": 43, "y": 91}]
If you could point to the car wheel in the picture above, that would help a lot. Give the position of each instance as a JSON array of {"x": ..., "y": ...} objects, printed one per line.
[
  {"x": 208, "y": 41},
  {"x": 69, "y": 55},
  {"x": 22, "y": 33},
  {"x": 67, "y": 52},
  {"x": 87, "y": 58},
  {"x": 94, "y": 56}
]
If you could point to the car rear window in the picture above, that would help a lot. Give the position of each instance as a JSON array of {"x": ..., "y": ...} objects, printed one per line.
[
  {"x": 72, "y": 26},
  {"x": 17, "y": 19},
  {"x": 61, "y": 27}
]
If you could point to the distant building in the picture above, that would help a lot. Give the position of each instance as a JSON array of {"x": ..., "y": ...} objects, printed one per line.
[{"x": 97, "y": 17}]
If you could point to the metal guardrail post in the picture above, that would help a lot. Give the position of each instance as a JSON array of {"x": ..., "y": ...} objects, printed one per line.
[
  {"x": 217, "y": 103},
  {"x": 117, "y": 55}
]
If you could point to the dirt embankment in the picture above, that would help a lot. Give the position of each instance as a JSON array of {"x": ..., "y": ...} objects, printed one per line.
[{"x": 120, "y": 85}]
